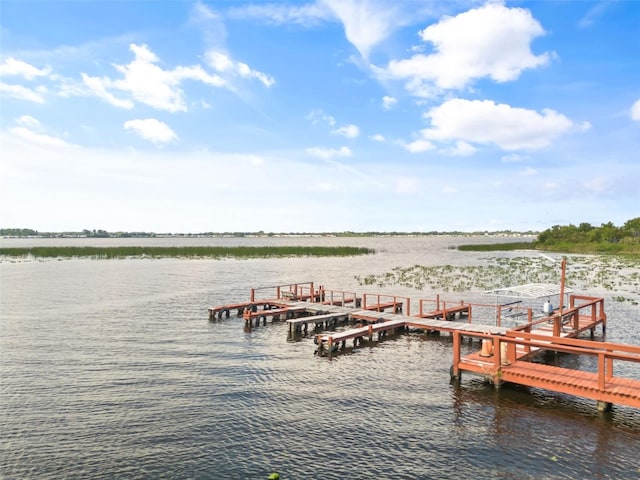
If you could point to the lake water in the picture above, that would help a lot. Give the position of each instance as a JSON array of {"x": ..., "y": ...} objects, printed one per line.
[{"x": 111, "y": 369}]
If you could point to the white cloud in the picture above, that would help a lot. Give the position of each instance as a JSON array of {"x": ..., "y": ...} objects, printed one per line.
[
  {"x": 485, "y": 122},
  {"x": 635, "y": 111},
  {"x": 491, "y": 41},
  {"x": 366, "y": 23},
  {"x": 461, "y": 149},
  {"x": 388, "y": 102},
  {"x": 98, "y": 87},
  {"x": 211, "y": 24},
  {"x": 219, "y": 61},
  {"x": 223, "y": 64},
  {"x": 583, "y": 127},
  {"x": 329, "y": 153},
  {"x": 28, "y": 121},
  {"x": 12, "y": 67},
  {"x": 38, "y": 139},
  {"x": 377, "y": 138},
  {"x": 255, "y": 160},
  {"x": 317, "y": 116},
  {"x": 348, "y": 131},
  {"x": 419, "y": 146},
  {"x": 151, "y": 129},
  {"x": 148, "y": 83},
  {"x": 23, "y": 93},
  {"x": 593, "y": 14},
  {"x": 306, "y": 15},
  {"x": 514, "y": 158}
]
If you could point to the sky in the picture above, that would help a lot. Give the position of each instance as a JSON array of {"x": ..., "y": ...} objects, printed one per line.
[{"x": 318, "y": 116}]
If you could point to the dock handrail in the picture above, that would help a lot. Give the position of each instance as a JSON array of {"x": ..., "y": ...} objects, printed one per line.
[
  {"x": 606, "y": 352},
  {"x": 339, "y": 297},
  {"x": 382, "y": 298},
  {"x": 297, "y": 290},
  {"x": 570, "y": 315}
]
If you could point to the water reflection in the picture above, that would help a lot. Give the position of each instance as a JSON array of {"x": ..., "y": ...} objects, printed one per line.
[{"x": 111, "y": 369}]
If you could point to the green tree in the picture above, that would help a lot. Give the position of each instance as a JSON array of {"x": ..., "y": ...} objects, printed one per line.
[{"x": 631, "y": 228}]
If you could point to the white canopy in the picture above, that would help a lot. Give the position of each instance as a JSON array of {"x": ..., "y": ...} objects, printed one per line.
[{"x": 530, "y": 290}]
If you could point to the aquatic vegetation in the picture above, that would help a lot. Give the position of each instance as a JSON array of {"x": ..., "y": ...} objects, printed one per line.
[
  {"x": 182, "y": 252},
  {"x": 613, "y": 273}
]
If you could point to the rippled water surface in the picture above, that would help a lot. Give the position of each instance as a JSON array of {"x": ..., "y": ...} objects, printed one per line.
[{"x": 111, "y": 369}]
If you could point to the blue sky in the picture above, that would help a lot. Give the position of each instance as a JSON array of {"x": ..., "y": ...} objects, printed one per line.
[{"x": 318, "y": 116}]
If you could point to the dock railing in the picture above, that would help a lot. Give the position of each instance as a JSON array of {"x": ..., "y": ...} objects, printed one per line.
[
  {"x": 593, "y": 308},
  {"x": 380, "y": 302},
  {"x": 339, "y": 297},
  {"x": 292, "y": 291},
  {"x": 505, "y": 348},
  {"x": 443, "y": 308}
]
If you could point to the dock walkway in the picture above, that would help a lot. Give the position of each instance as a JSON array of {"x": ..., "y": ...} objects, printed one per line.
[
  {"x": 506, "y": 352},
  {"x": 381, "y": 323}
]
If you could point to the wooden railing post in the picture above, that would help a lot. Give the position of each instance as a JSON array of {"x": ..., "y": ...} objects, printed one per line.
[
  {"x": 557, "y": 325},
  {"x": 497, "y": 360},
  {"x": 609, "y": 366},
  {"x": 511, "y": 352},
  {"x": 456, "y": 354}
]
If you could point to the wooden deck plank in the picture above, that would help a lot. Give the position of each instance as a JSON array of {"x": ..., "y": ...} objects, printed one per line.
[
  {"x": 579, "y": 382},
  {"x": 316, "y": 318}
]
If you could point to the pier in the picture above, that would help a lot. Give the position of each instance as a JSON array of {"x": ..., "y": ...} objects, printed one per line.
[{"x": 333, "y": 318}]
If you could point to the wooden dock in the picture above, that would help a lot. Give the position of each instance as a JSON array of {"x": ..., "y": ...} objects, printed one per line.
[
  {"x": 506, "y": 354},
  {"x": 300, "y": 325},
  {"x": 509, "y": 362},
  {"x": 449, "y": 313}
]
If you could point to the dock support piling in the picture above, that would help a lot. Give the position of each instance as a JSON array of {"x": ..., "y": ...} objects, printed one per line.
[{"x": 604, "y": 406}]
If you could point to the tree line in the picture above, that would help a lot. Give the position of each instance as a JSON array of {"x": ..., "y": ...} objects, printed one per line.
[
  {"x": 629, "y": 233},
  {"x": 586, "y": 238}
]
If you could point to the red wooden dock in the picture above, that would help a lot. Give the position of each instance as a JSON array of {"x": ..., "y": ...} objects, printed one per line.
[
  {"x": 506, "y": 355},
  {"x": 509, "y": 362}
]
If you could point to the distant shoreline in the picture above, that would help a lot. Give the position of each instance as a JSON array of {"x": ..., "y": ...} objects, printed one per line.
[{"x": 31, "y": 233}]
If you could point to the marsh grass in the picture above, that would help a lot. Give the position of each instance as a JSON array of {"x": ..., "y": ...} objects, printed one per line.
[
  {"x": 182, "y": 252},
  {"x": 558, "y": 247},
  {"x": 493, "y": 247}
]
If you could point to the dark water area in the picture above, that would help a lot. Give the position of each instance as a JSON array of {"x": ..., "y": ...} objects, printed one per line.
[{"x": 111, "y": 369}]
